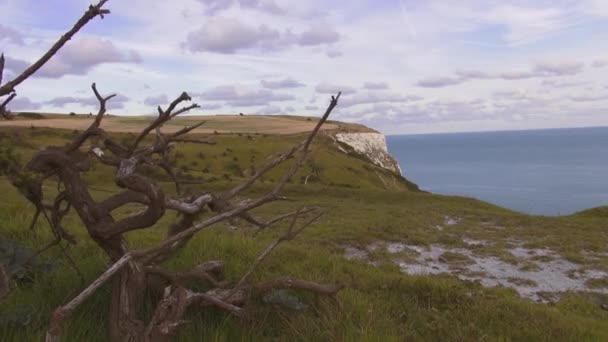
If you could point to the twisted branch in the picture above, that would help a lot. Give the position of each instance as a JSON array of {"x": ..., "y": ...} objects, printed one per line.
[{"x": 92, "y": 12}]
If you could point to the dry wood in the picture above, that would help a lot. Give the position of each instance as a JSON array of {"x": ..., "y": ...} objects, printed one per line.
[
  {"x": 132, "y": 273},
  {"x": 92, "y": 12}
]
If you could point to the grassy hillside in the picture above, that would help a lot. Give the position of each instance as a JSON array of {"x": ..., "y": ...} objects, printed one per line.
[
  {"x": 263, "y": 124},
  {"x": 364, "y": 205}
]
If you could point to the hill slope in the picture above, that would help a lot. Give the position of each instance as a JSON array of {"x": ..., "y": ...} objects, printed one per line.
[
  {"x": 263, "y": 124},
  {"x": 375, "y": 231}
]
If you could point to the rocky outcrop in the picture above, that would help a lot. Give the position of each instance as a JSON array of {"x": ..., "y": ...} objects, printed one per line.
[{"x": 372, "y": 146}]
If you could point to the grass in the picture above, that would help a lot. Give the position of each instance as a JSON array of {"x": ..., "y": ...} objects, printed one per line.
[
  {"x": 378, "y": 304},
  {"x": 252, "y": 124}
]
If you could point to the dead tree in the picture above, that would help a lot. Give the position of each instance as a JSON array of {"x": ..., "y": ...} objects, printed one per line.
[{"x": 132, "y": 273}]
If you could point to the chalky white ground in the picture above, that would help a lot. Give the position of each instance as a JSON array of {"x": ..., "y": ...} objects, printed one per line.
[{"x": 551, "y": 275}]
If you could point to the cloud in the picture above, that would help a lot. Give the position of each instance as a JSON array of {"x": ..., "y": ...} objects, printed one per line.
[
  {"x": 382, "y": 114},
  {"x": 554, "y": 83},
  {"x": 83, "y": 54},
  {"x": 15, "y": 65},
  {"x": 318, "y": 35},
  {"x": 229, "y": 35},
  {"x": 156, "y": 100},
  {"x": 438, "y": 82},
  {"x": 369, "y": 98},
  {"x": 270, "y": 110},
  {"x": 282, "y": 84},
  {"x": 211, "y": 106},
  {"x": 239, "y": 96},
  {"x": 375, "y": 85},
  {"x": 600, "y": 63},
  {"x": 328, "y": 88},
  {"x": 540, "y": 69},
  {"x": 589, "y": 98},
  {"x": 272, "y": 40},
  {"x": 516, "y": 75},
  {"x": 527, "y": 23},
  {"x": 557, "y": 69},
  {"x": 62, "y": 101},
  {"x": 21, "y": 103},
  {"x": 10, "y": 35},
  {"x": 215, "y": 6},
  {"x": 334, "y": 53},
  {"x": 472, "y": 74},
  {"x": 543, "y": 69},
  {"x": 117, "y": 102}
]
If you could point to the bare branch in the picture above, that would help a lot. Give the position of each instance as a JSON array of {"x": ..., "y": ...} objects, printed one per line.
[
  {"x": 210, "y": 271},
  {"x": 262, "y": 171},
  {"x": 68, "y": 163},
  {"x": 298, "y": 212},
  {"x": 187, "y": 233},
  {"x": 194, "y": 141},
  {"x": 281, "y": 158},
  {"x": 5, "y": 285},
  {"x": 292, "y": 283},
  {"x": 1, "y": 67},
  {"x": 93, "y": 129},
  {"x": 63, "y": 312},
  {"x": 102, "y": 105},
  {"x": 91, "y": 12},
  {"x": 5, "y": 114},
  {"x": 289, "y": 235},
  {"x": 186, "y": 130},
  {"x": 164, "y": 116},
  {"x": 219, "y": 303}
]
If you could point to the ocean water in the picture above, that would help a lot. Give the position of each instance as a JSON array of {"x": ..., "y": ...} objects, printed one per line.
[{"x": 545, "y": 172}]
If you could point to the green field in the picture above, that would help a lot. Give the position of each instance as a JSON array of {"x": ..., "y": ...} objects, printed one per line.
[{"x": 363, "y": 205}]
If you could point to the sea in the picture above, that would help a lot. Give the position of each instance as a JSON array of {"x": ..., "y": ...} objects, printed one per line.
[{"x": 548, "y": 172}]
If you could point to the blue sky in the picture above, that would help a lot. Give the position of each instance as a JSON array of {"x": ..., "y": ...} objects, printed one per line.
[{"x": 404, "y": 66}]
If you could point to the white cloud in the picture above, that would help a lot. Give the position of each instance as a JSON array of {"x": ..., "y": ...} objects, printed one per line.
[
  {"x": 375, "y": 85},
  {"x": 242, "y": 96},
  {"x": 215, "y": 6},
  {"x": 159, "y": 100},
  {"x": 282, "y": 84},
  {"x": 21, "y": 103},
  {"x": 540, "y": 69},
  {"x": 333, "y": 89},
  {"x": 318, "y": 35},
  {"x": 375, "y": 97},
  {"x": 599, "y": 63},
  {"x": 454, "y": 56},
  {"x": 270, "y": 110},
  {"x": 10, "y": 35},
  {"x": 230, "y": 35},
  {"x": 78, "y": 57}
]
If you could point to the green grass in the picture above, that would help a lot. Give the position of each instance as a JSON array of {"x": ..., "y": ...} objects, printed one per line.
[{"x": 378, "y": 304}]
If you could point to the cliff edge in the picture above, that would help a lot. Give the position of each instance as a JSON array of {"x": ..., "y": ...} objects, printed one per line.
[{"x": 371, "y": 145}]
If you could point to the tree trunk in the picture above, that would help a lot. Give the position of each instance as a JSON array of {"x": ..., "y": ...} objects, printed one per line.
[{"x": 128, "y": 291}]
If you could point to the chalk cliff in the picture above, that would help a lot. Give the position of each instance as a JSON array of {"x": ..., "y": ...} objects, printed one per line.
[{"x": 370, "y": 145}]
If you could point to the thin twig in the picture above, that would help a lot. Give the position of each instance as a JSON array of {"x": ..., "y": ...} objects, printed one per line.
[
  {"x": 1, "y": 67},
  {"x": 3, "y": 105},
  {"x": 92, "y": 12}
]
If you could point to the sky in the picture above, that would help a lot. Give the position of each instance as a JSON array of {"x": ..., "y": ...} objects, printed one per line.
[{"x": 403, "y": 66}]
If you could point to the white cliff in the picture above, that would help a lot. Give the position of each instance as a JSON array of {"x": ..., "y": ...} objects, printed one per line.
[{"x": 372, "y": 146}]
